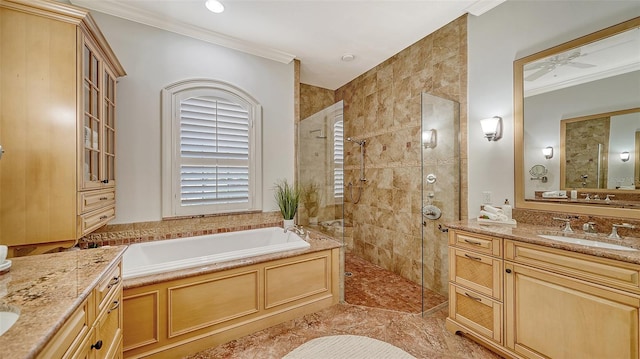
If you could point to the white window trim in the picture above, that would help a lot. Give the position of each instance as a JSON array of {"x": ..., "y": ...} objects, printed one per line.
[{"x": 170, "y": 108}]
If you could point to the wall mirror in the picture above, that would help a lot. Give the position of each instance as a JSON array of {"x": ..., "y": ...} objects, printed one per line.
[{"x": 582, "y": 100}]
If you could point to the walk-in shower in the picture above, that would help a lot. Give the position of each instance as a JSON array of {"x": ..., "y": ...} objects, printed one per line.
[{"x": 362, "y": 178}]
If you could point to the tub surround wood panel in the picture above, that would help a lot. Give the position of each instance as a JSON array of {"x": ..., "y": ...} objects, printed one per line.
[
  {"x": 196, "y": 305},
  {"x": 558, "y": 300},
  {"x": 223, "y": 302},
  {"x": 54, "y": 291},
  {"x": 303, "y": 278},
  {"x": 145, "y": 306}
]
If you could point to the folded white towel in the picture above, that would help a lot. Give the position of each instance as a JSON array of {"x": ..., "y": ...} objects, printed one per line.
[
  {"x": 494, "y": 216},
  {"x": 492, "y": 209}
]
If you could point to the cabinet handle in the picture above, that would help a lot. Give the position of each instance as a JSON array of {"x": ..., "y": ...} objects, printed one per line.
[
  {"x": 508, "y": 270},
  {"x": 116, "y": 304},
  {"x": 472, "y": 242},
  {"x": 472, "y": 257},
  {"x": 113, "y": 282},
  {"x": 105, "y": 181},
  {"x": 103, "y": 217},
  {"x": 103, "y": 198},
  {"x": 97, "y": 345},
  {"x": 472, "y": 297}
]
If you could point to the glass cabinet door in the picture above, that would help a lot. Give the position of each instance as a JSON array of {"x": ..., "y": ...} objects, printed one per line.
[
  {"x": 109, "y": 128},
  {"x": 92, "y": 120}
]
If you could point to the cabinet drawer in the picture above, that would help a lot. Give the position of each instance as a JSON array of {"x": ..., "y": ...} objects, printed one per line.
[
  {"x": 96, "y": 219},
  {"x": 109, "y": 284},
  {"x": 68, "y": 339},
  {"x": 617, "y": 274},
  {"x": 109, "y": 328},
  {"x": 476, "y": 242},
  {"x": 92, "y": 200},
  {"x": 475, "y": 271},
  {"x": 476, "y": 312}
]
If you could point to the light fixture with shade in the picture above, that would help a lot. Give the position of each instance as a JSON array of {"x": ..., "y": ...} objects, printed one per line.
[
  {"x": 430, "y": 138},
  {"x": 492, "y": 128},
  {"x": 548, "y": 152},
  {"x": 624, "y": 156},
  {"x": 214, "y": 6}
]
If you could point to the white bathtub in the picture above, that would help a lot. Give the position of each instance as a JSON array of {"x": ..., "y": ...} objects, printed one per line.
[{"x": 141, "y": 259}]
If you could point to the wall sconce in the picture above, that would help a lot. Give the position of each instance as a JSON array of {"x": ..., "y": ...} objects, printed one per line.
[
  {"x": 430, "y": 138},
  {"x": 548, "y": 152},
  {"x": 624, "y": 156},
  {"x": 492, "y": 128}
]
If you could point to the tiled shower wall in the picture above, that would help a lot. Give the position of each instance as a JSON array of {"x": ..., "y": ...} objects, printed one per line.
[
  {"x": 581, "y": 146},
  {"x": 383, "y": 107}
]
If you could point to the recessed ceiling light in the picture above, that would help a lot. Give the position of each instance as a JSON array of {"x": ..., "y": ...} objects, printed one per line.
[
  {"x": 348, "y": 57},
  {"x": 214, "y": 6}
]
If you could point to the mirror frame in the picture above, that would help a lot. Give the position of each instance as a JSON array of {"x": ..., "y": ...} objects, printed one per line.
[{"x": 518, "y": 118}]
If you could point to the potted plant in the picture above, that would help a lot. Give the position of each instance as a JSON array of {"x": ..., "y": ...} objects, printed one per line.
[{"x": 288, "y": 197}]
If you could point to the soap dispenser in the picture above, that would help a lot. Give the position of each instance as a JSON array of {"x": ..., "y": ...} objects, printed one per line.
[{"x": 506, "y": 208}]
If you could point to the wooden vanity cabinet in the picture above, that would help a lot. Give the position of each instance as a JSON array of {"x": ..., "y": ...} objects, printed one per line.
[
  {"x": 58, "y": 124},
  {"x": 528, "y": 301},
  {"x": 562, "y": 304},
  {"x": 94, "y": 330}
]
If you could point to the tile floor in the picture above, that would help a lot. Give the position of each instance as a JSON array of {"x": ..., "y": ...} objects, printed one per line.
[{"x": 368, "y": 312}]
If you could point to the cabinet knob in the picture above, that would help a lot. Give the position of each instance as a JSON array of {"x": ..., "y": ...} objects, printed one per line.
[
  {"x": 508, "y": 270},
  {"x": 97, "y": 345}
]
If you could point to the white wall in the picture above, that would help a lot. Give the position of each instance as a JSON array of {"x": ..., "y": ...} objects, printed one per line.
[
  {"x": 623, "y": 130},
  {"x": 155, "y": 58},
  {"x": 510, "y": 31}
]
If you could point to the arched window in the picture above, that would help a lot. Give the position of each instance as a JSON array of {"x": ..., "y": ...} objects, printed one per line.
[{"x": 211, "y": 146}]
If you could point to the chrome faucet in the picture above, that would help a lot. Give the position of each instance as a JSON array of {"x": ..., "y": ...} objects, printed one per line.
[
  {"x": 614, "y": 230},
  {"x": 589, "y": 227},
  {"x": 295, "y": 229},
  {"x": 567, "y": 224}
]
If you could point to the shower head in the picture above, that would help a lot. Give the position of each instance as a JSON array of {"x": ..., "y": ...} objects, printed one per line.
[
  {"x": 321, "y": 135},
  {"x": 359, "y": 142}
]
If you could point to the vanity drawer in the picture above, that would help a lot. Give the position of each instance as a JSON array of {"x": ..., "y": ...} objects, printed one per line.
[
  {"x": 475, "y": 271},
  {"x": 109, "y": 284},
  {"x": 109, "y": 328},
  {"x": 69, "y": 338},
  {"x": 476, "y": 242},
  {"x": 92, "y": 200},
  {"x": 96, "y": 219},
  {"x": 476, "y": 312},
  {"x": 604, "y": 271}
]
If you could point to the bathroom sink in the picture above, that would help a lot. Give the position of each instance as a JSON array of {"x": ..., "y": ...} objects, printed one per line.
[
  {"x": 587, "y": 242},
  {"x": 7, "y": 319}
]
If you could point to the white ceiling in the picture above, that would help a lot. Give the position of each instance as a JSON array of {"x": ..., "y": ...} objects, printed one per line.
[
  {"x": 611, "y": 56},
  {"x": 317, "y": 32}
]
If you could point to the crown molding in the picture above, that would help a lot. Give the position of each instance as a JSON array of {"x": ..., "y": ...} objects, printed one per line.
[
  {"x": 481, "y": 6},
  {"x": 128, "y": 12}
]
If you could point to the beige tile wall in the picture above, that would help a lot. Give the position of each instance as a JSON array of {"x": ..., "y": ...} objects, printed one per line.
[
  {"x": 383, "y": 107},
  {"x": 314, "y": 99}
]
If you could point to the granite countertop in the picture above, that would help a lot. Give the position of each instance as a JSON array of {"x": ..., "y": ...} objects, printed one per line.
[
  {"x": 529, "y": 233},
  {"x": 318, "y": 241},
  {"x": 46, "y": 289}
]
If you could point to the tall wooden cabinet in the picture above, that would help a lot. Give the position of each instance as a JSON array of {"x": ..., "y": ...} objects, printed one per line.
[{"x": 57, "y": 124}]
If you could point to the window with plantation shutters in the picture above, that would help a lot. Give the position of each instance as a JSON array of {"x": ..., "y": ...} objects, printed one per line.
[
  {"x": 214, "y": 164},
  {"x": 338, "y": 155}
]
